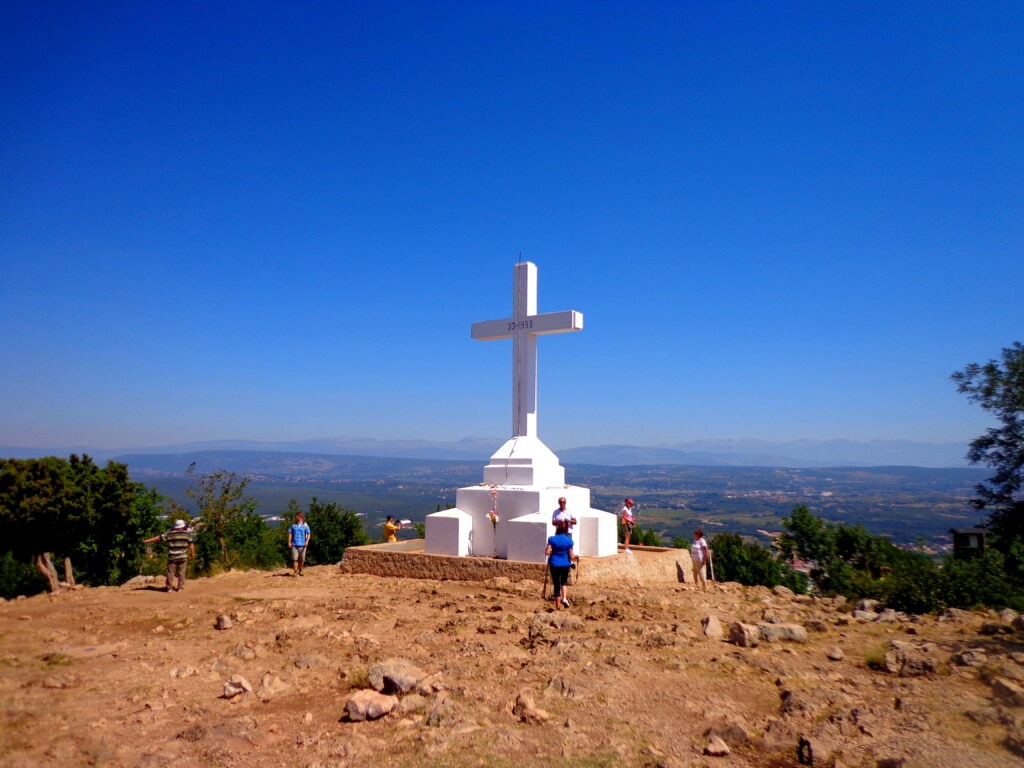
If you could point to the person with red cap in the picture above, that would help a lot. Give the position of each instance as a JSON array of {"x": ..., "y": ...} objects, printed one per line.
[{"x": 628, "y": 521}]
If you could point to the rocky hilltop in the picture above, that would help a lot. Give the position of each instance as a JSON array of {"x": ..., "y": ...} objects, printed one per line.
[{"x": 334, "y": 669}]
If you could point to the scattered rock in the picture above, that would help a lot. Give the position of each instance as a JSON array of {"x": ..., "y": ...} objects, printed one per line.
[
  {"x": 835, "y": 653},
  {"x": 815, "y": 625},
  {"x": 957, "y": 615},
  {"x": 270, "y": 686},
  {"x": 772, "y": 633},
  {"x": 141, "y": 581},
  {"x": 712, "y": 627},
  {"x": 369, "y": 705},
  {"x": 1010, "y": 692},
  {"x": 244, "y": 652},
  {"x": 527, "y": 711},
  {"x": 744, "y": 635},
  {"x": 1015, "y": 740},
  {"x": 235, "y": 686},
  {"x": 887, "y": 614},
  {"x": 439, "y": 711},
  {"x": 782, "y": 591},
  {"x": 971, "y": 657},
  {"x": 865, "y": 615},
  {"x": 995, "y": 628},
  {"x": 223, "y": 622},
  {"x": 179, "y": 672},
  {"x": 906, "y": 660},
  {"x": 773, "y": 617},
  {"x": 559, "y": 687},
  {"x": 1008, "y": 615},
  {"x": 866, "y": 604},
  {"x": 733, "y": 735},
  {"x": 815, "y": 751},
  {"x": 309, "y": 661},
  {"x": 716, "y": 747},
  {"x": 395, "y": 675},
  {"x": 412, "y": 703}
]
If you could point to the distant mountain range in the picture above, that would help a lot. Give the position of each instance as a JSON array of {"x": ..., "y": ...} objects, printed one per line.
[
  {"x": 739, "y": 453},
  {"x": 762, "y": 453}
]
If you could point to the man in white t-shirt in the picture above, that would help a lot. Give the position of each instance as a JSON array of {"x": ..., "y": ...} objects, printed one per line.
[
  {"x": 699, "y": 554},
  {"x": 562, "y": 515}
]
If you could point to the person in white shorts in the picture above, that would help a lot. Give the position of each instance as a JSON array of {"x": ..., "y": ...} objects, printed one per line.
[
  {"x": 628, "y": 521},
  {"x": 699, "y": 553}
]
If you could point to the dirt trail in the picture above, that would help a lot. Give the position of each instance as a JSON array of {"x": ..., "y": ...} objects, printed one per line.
[{"x": 134, "y": 676}]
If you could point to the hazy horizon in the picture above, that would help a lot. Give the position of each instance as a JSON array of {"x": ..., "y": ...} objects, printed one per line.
[{"x": 737, "y": 452}]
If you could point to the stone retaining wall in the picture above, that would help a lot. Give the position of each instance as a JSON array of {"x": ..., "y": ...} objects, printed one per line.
[{"x": 406, "y": 559}]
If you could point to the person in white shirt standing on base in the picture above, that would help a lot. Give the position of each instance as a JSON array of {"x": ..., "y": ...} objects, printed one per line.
[
  {"x": 562, "y": 515},
  {"x": 699, "y": 554},
  {"x": 628, "y": 521}
]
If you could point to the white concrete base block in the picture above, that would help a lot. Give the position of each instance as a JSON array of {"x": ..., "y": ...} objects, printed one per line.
[
  {"x": 528, "y": 537},
  {"x": 596, "y": 534},
  {"x": 448, "y": 533}
]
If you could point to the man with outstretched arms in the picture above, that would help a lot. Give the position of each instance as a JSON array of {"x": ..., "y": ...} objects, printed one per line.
[{"x": 180, "y": 546}]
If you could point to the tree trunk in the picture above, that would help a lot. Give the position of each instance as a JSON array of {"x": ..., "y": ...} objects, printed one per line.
[
  {"x": 69, "y": 575},
  {"x": 45, "y": 566}
]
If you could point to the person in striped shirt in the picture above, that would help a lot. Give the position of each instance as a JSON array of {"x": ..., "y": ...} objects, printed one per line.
[{"x": 180, "y": 546}]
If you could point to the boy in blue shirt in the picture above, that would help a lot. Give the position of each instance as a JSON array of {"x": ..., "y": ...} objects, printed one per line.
[{"x": 298, "y": 539}]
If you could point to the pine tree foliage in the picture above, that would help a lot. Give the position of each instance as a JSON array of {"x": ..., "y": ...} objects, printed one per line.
[{"x": 998, "y": 387}]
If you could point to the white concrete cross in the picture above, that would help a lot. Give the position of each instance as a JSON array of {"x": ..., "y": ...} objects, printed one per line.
[{"x": 523, "y": 328}]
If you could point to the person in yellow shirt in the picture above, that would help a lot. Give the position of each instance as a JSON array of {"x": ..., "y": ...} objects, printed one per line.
[{"x": 390, "y": 529}]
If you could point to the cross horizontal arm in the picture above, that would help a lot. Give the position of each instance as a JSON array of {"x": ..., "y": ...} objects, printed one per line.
[{"x": 537, "y": 325}]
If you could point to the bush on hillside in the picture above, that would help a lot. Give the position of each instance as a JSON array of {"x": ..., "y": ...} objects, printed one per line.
[{"x": 751, "y": 564}]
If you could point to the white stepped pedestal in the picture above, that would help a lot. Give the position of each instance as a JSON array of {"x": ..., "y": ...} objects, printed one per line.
[{"x": 524, "y": 510}]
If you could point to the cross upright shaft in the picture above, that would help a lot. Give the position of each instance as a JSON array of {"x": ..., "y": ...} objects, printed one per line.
[{"x": 523, "y": 328}]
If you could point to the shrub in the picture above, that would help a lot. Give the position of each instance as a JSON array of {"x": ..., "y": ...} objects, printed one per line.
[
  {"x": 979, "y": 581},
  {"x": 751, "y": 564},
  {"x": 916, "y": 586},
  {"x": 18, "y": 578}
]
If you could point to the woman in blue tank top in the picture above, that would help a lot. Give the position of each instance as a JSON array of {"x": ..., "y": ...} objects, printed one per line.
[{"x": 560, "y": 557}]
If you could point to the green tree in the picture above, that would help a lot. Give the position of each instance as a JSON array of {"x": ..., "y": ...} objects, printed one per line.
[
  {"x": 95, "y": 518},
  {"x": 998, "y": 387},
  {"x": 230, "y": 532},
  {"x": 749, "y": 563},
  {"x": 979, "y": 581},
  {"x": 807, "y": 537}
]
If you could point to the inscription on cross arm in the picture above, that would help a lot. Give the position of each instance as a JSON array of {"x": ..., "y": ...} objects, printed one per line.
[{"x": 523, "y": 328}]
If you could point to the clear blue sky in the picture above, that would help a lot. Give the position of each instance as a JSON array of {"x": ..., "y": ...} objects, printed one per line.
[{"x": 277, "y": 220}]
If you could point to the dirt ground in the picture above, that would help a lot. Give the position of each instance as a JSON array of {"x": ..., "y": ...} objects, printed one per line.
[{"x": 134, "y": 676}]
